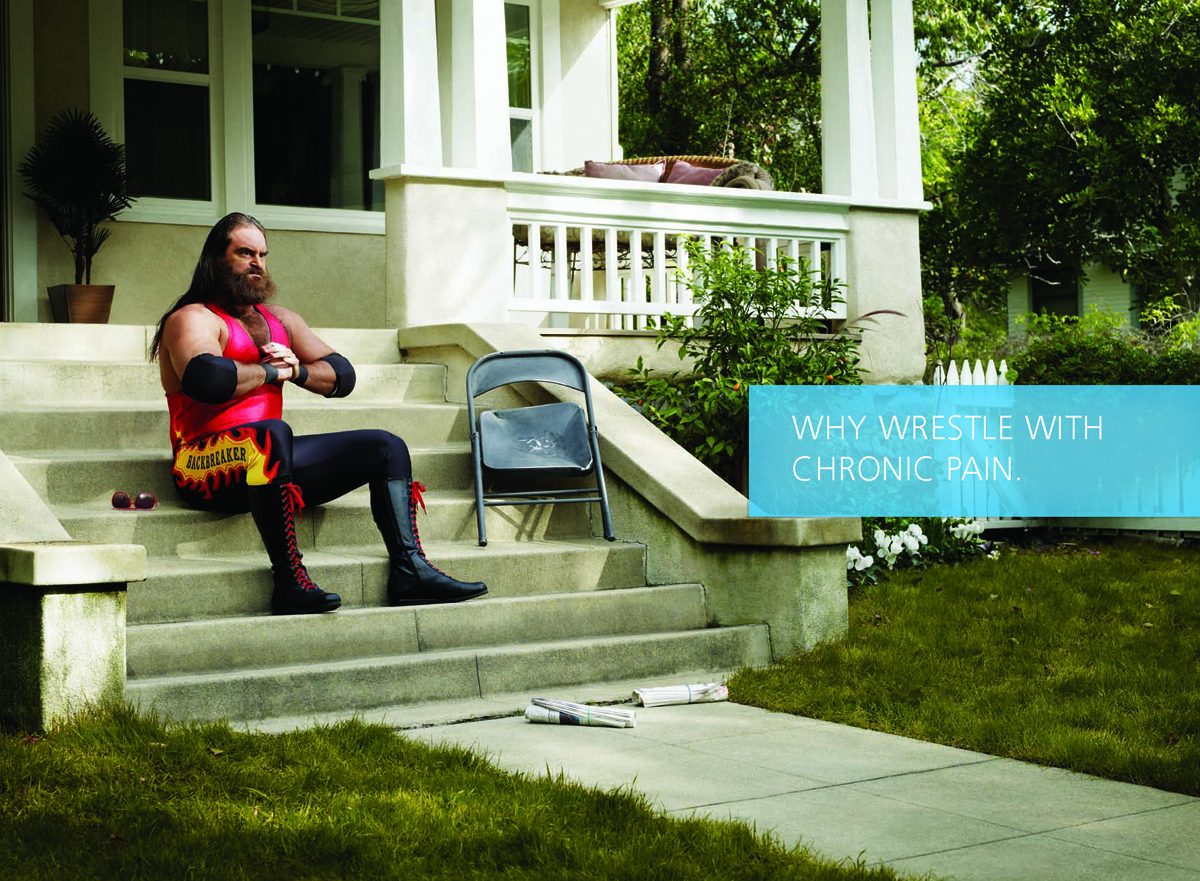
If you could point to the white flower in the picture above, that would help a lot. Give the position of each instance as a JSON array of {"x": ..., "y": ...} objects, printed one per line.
[
  {"x": 880, "y": 538},
  {"x": 853, "y": 555},
  {"x": 914, "y": 529},
  {"x": 864, "y": 563},
  {"x": 911, "y": 544}
]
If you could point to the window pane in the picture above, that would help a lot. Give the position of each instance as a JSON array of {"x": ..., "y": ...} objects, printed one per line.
[
  {"x": 1054, "y": 290},
  {"x": 167, "y": 140},
  {"x": 316, "y": 112},
  {"x": 520, "y": 57},
  {"x": 521, "y": 132},
  {"x": 166, "y": 34}
]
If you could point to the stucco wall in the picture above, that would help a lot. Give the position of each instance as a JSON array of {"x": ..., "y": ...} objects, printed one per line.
[
  {"x": 884, "y": 272},
  {"x": 332, "y": 279}
]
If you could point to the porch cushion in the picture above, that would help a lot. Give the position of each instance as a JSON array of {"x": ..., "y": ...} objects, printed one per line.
[
  {"x": 685, "y": 173},
  {"x": 648, "y": 172}
]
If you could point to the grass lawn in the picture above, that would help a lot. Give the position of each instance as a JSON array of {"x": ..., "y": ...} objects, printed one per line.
[
  {"x": 117, "y": 795},
  {"x": 1081, "y": 655}
]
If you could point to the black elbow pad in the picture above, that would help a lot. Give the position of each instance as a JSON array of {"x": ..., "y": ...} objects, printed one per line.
[
  {"x": 343, "y": 370},
  {"x": 210, "y": 379}
]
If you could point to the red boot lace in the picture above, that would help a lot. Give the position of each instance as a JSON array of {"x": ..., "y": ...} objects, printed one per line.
[
  {"x": 293, "y": 504},
  {"x": 417, "y": 497}
]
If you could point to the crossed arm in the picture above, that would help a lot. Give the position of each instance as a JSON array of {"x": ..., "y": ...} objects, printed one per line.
[{"x": 193, "y": 341}]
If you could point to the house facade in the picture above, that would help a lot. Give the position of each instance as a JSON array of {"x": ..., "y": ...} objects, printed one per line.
[
  {"x": 1064, "y": 291},
  {"x": 397, "y": 152}
]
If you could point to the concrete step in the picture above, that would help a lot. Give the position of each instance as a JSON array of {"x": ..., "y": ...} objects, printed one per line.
[
  {"x": 142, "y": 425},
  {"x": 44, "y": 382},
  {"x": 69, "y": 476},
  {"x": 127, "y": 342},
  {"x": 366, "y": 683},
  {"x": 193, "y": 588},
  {"x": 173, "y": 529},
  {"x": 257, "y": 642}
]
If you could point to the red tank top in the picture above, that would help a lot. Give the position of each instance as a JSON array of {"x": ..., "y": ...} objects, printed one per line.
[{"x": 192, "y": 419}]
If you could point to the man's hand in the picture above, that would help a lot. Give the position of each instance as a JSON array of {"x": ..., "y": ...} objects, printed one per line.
[{"x": 282, "y": 359}]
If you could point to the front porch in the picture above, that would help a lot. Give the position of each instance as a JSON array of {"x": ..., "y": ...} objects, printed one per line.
[{"x": 459, "y": 250}]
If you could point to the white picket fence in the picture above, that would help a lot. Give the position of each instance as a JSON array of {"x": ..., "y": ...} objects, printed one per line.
[{"x": 991, "y": 375}]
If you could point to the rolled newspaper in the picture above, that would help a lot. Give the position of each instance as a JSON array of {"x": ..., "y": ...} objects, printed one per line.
[
  {"x": 681, "y": 694},
  {"x": 554, "y": 712}
]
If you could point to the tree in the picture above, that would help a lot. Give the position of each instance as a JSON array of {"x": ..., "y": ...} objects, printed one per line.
[
  {"x": 734, "y": 78},
  {"x": 1088, "y": 142}
]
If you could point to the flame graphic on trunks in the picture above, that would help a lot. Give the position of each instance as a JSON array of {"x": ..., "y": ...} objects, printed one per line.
[{"x": 215, "y": 461}]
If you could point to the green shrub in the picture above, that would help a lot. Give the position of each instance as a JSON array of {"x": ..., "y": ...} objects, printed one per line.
[
  {"x": 1094, "y": 350},
  {"x": 752, "y": 327}
]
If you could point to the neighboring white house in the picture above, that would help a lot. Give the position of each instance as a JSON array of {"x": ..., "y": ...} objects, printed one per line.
[
  {"x": 391, "y": 148},
  {"x": 1065, "y": 292}
]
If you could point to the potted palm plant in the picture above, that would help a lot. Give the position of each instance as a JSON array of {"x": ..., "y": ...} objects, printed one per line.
[{"x": 76, "y": 173}]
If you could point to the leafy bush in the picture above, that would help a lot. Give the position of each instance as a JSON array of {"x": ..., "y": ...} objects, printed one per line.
[
  {"x": 752, "y": 327},
  {"x": 912, "y": 543},
  {"x": 1094, "y": 350},
  {"x": 1099, "y": 350}
]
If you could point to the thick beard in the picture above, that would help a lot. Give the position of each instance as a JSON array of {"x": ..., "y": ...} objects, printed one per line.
[{"x": 245, "y": 291}]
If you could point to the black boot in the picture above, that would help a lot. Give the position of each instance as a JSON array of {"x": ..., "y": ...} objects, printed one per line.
[
  {"x": 276, "y": 508},
  {"x": 412, "y": 580}
]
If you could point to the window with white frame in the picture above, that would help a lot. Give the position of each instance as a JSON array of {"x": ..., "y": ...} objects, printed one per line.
[
  {"x": 316, "y": 103},
  {"x": 227, "y": 105},
  {"x": 166, "y": 94},
  {"x": 519, "y": 31}
]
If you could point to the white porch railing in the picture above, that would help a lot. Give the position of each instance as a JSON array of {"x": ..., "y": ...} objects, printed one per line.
[
  {"x": 609, "y": 254},
  {"x": 991, "y": 375}
]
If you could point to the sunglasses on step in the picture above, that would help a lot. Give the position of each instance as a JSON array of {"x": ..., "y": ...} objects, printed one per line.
[{"x": 142, "y": 502}]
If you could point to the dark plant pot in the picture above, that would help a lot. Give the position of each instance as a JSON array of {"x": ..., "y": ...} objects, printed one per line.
[{"x": 81, "y": 303}]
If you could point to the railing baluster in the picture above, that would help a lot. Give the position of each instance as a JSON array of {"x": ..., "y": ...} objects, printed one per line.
[
  {"x": 612, "y": 274},
  {"x": 560, "y": 263},
  {"x": 658, "y": 277},
  {"x": 585, "y": 263},
  {"x": 637, "y": 281},
  {"x": 772, "y": 253},
  {"x": 535, "y": 261}
]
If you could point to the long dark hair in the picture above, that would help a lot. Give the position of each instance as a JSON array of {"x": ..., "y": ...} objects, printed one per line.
[{"x": 207, "y": 271}]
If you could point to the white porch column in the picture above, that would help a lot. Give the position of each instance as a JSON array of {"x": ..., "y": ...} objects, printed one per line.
[
  {"x": 848, "y": 121},
  {"x": 410, "y": 112},
  {"x": 897, "y": 127},
  {"x": 479, "y": 135}
]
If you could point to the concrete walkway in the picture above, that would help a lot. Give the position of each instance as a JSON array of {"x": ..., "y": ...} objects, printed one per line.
[{"x": 846, "y": 792}]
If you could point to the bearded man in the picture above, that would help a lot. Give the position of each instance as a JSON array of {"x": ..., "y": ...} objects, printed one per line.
[{"x": 224, "y": 355}]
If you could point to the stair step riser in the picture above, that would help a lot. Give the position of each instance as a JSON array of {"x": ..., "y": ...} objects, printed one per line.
[
  {"x": 94, "y": 479},
  {"x": 229, "y": 591},
  {"x": 380, "y": 682},
  {"x": 247, "y": 643},
  {"x": 124, "y": 342},
  {"x": 47, "y": 382},
  {"x": 175, "y": 531},
  {"x": 145, "y": 428}
]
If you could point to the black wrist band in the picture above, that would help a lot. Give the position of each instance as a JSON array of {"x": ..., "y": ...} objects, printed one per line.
[
  {"x": 272, "y": 374},
  {"x": 301, "y": 376}
]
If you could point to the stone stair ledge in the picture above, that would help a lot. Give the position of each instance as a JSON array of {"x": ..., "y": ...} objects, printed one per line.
[
  {"x": 182, "y": 588},
  {"x": 73, "y": 476},
  {"x": 131, "y": 342},
  {"x": 144, "y": 424},
  {"x": 266, "y": 641},
  {"x": 173, "y": 529},
  {"x": 451, "y": 675}
]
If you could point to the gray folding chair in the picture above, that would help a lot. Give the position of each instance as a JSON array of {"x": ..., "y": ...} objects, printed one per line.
[{"x": 534, "y": 443}]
